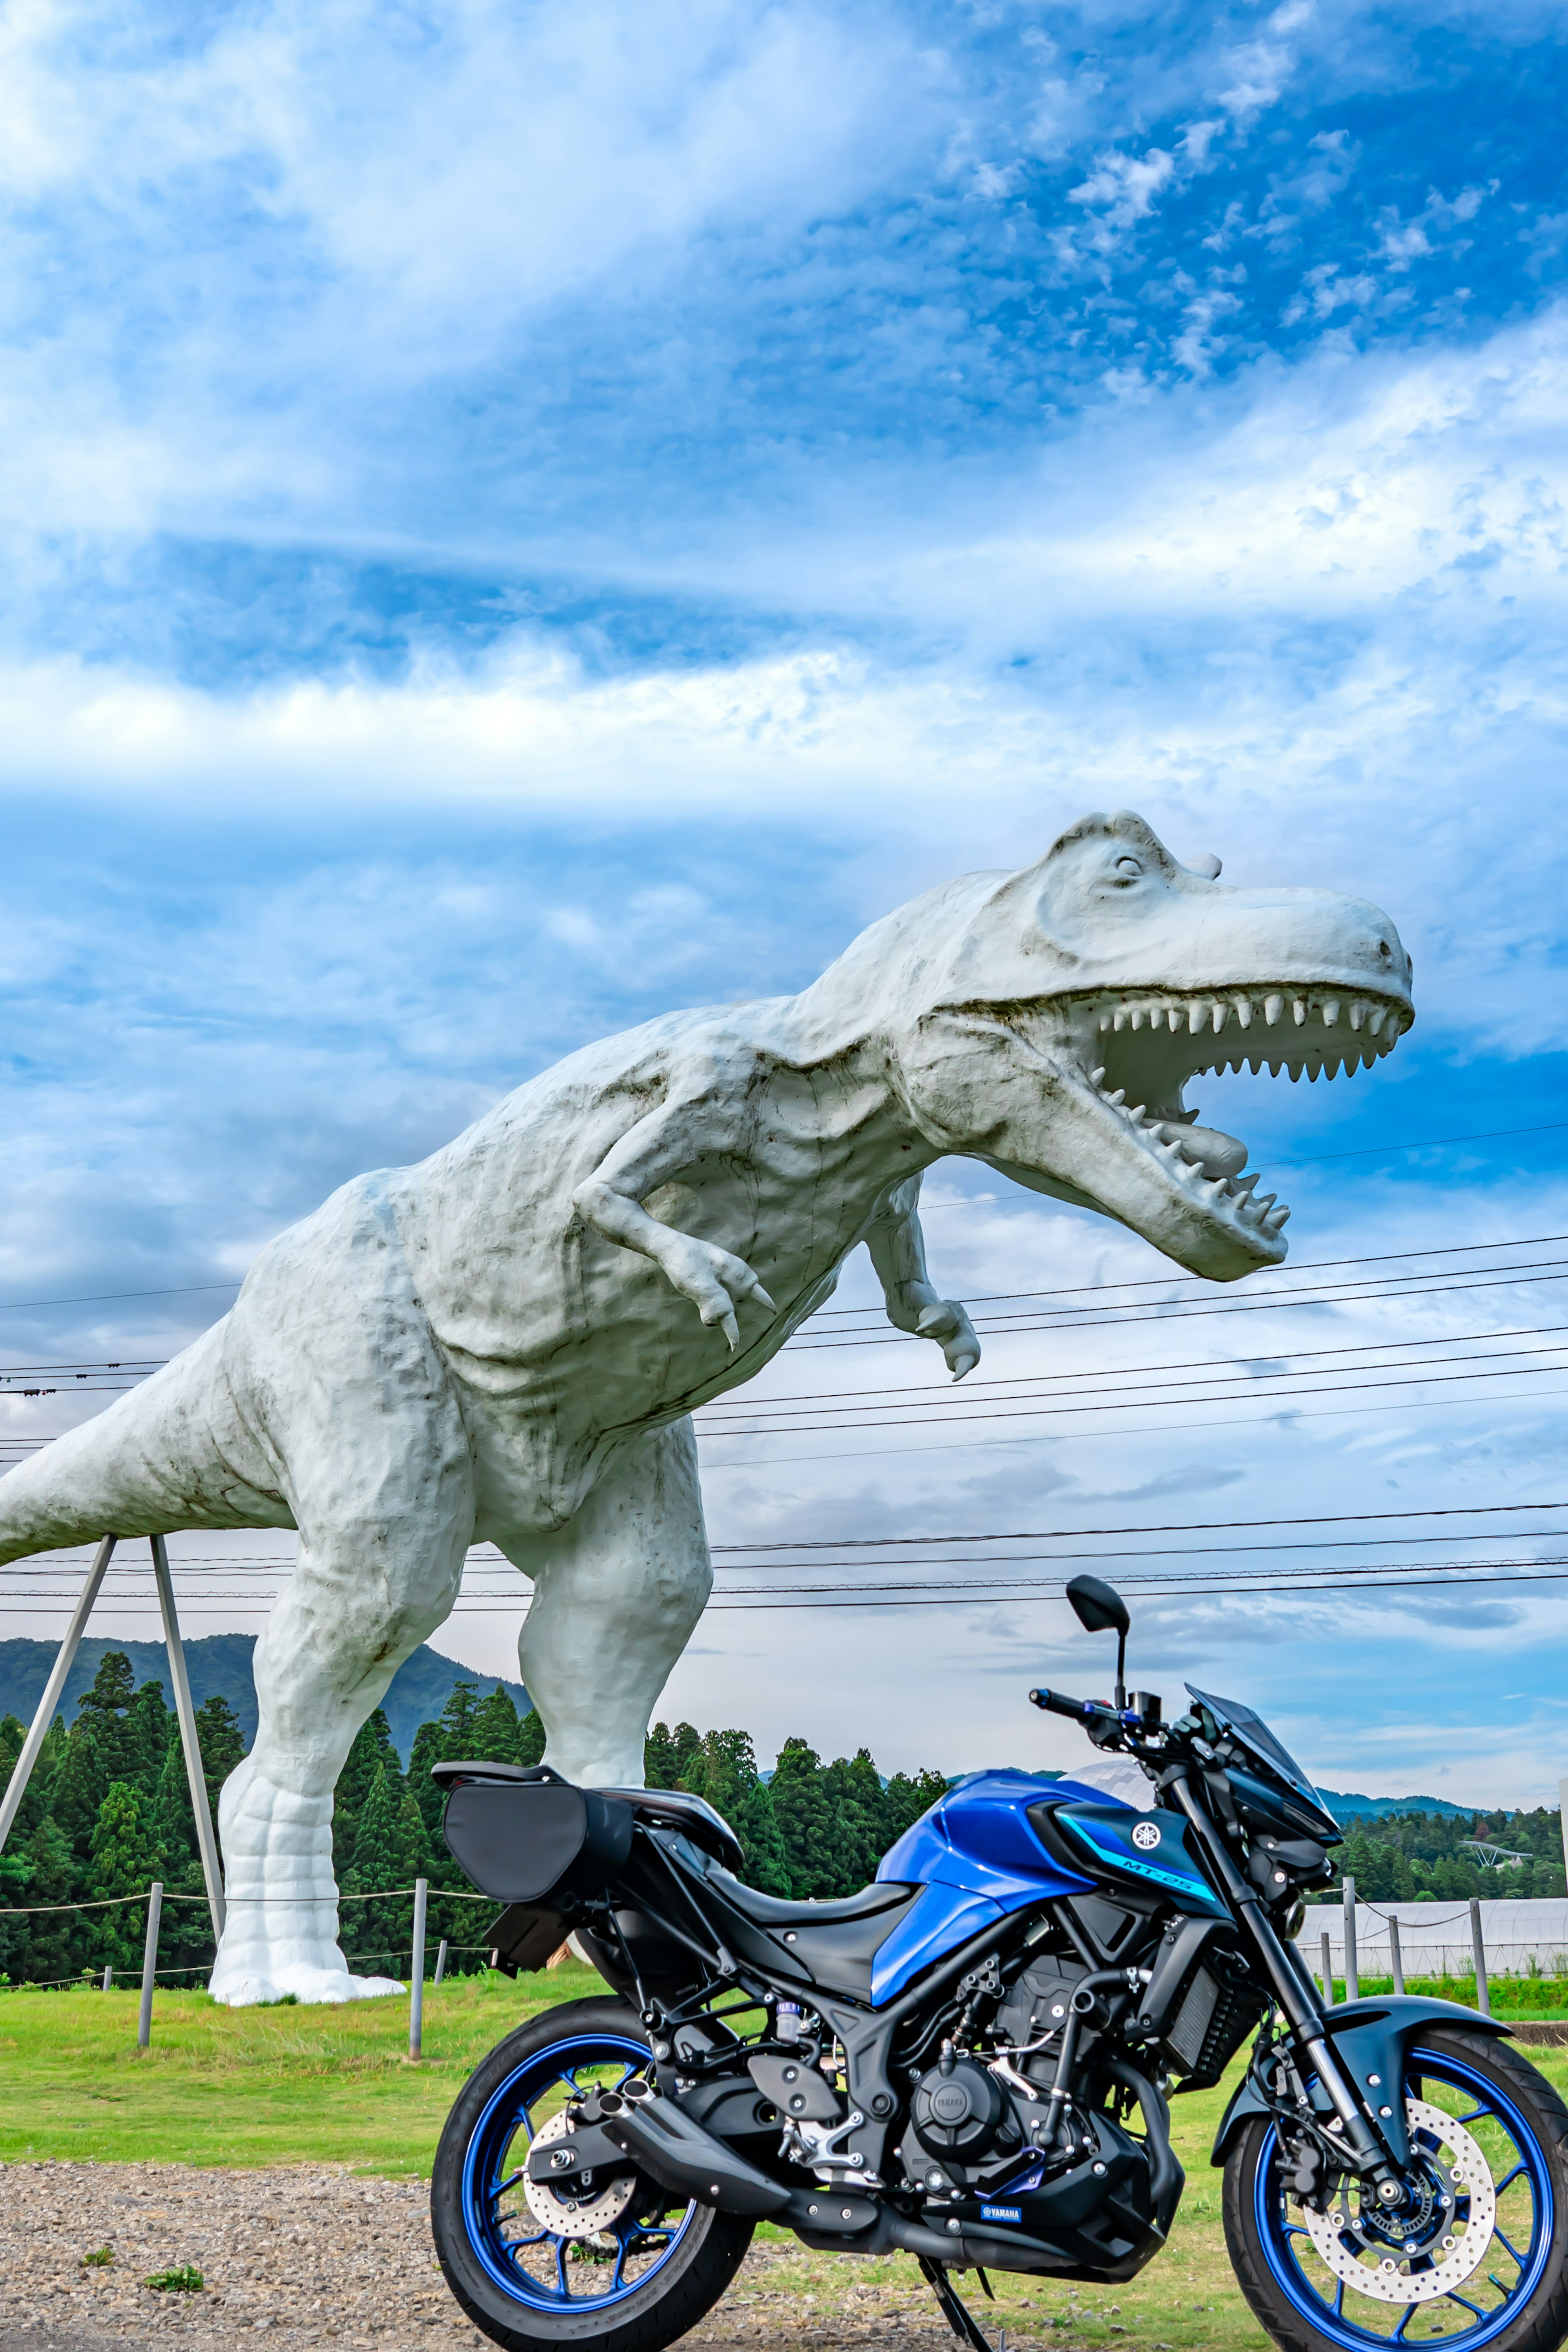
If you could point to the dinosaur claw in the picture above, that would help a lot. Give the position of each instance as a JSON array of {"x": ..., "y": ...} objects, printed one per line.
[{"x": 730, "y": 1329}]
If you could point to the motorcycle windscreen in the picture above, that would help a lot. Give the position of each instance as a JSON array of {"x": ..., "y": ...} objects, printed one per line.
[
  {"x": 1252, "y": 1733},
  {"x": 1147, "y": 1850}
]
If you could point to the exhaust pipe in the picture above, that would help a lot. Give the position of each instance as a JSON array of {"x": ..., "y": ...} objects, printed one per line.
[{"x": 679, "y": 2154}]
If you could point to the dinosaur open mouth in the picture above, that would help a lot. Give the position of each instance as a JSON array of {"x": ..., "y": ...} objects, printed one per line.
[{"x": 1139, "y": 1050}]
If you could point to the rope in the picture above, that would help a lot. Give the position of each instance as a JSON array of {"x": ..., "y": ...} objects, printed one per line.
[{"x": 113, "y": 1902}]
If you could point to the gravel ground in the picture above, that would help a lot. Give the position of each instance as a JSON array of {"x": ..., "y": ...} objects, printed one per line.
[{"x": 302, "y": 2255}]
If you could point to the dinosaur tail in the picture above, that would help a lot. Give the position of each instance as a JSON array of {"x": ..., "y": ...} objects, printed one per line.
[{"x": 150, "y": 1463}]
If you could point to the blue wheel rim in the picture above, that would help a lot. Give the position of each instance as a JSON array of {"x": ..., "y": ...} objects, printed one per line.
[
  {"x": 529, "y": 2263},
  {"x": 1278, "y": 2236}
]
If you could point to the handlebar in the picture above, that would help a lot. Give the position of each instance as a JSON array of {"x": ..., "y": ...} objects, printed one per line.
[{"x": 1080, "y": 1710}]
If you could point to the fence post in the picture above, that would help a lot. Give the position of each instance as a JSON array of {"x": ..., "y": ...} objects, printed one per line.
[
  {"x": 1352, "y": 1968},
  {"x": 440, "y": 1962},
  {"x": 108, "y": 1977},
  {"x": 150, "y": 1962},
  {"x": 1328, "y": 1969},
  {"x": 1395, "y": 1953},
  {"x": 1483, "y": 1991},
  {"x": 417, "y": 1983}
]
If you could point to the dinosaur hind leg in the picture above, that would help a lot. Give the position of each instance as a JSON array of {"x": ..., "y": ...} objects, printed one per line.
[{"x": 616, "y": 1593}]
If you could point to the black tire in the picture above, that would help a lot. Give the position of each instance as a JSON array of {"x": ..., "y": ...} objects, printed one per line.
[
  {"x": 1264, "y": 2223},
  {"x": 494, "y": 2269}
]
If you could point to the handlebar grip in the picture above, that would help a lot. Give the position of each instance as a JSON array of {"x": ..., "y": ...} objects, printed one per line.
[{"x": 1080, "y": 1710}]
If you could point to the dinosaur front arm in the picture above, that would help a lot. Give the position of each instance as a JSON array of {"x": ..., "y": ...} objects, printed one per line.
[
  {"x": 659, "y": 1148},
  {"x": 897, "y": 1249}
]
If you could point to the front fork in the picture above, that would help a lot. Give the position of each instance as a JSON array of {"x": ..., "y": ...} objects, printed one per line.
[{"x": 1363, "y": 2141}]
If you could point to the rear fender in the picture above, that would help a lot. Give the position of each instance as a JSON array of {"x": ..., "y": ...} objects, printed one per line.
[{"x": 1370, "y": 2039}]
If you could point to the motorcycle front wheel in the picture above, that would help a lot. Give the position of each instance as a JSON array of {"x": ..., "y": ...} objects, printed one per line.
[
  {"x": 1479, "y": 2257},
  {"x": 626, "y": 2265}
]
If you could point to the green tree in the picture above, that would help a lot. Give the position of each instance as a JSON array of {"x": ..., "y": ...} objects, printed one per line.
[
  {"x": 124, "y": 1862},
  {"x": 152, "y": 1725},
  {"x": 530, "y": 1738},
  {"x": 222, "y": 1745},
  {"x": 427, "y": 1794},
  {"x": 373, "y": 1752},
  {"x": 371, "y": 1928},
  {"x": 456, "y": 1720},
  {"x": 496, "y": 1729},
  {"x": 767, "y": 1863},
  {"x": 51, "y": 1937},
  {"x": 906, "y": 1798},
  {"x": 854, "y": 1791},
  {"x": 104, "y": 1717},
  {"x": 666, "y": 1754},
  {"x": 806, "y": 1822}
]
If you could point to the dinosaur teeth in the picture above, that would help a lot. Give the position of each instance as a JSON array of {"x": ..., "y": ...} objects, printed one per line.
[
  {"x": 1120, "y": 1021},
  {"x": 1244, "y": 1011},
  {"x": 1299, "y": 1009},
  {"x": 1096, "y": 1078},
  {"x": 1331, "y": 1010},
  {"x": 1273, "y": 1006},
  {"x": 1217, "y": 1013},
  {"x": 1378, "y": 1016},
  {"x": 1246, "y": 1183}
]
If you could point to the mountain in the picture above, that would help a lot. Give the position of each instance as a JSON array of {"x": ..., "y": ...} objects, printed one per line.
[
  {"x": 219, "y": 1665},
  {"x": 1345, "y": 1808}
]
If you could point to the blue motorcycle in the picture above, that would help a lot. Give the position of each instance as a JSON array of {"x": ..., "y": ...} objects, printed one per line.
[{"x": 972, "y": 2060}]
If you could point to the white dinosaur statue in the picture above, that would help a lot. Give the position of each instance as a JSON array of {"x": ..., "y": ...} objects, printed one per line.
[{"x": 505, "y": 1344}]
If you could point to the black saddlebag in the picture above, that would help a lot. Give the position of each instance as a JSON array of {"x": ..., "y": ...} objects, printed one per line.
[{"x": 527, "y": 1836}]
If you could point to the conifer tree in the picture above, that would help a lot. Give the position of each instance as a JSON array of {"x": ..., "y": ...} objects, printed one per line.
[
  {"x": 855, "y": 1792},
  {"x": 52, "y": 1937},
  {"x": 222, "y": 1745},
  {"x": 427, "y": 1794},
  {"x": 374, "y": 1867},
  {"x": 905, "y": 1799},
  {"x": 124, "y": 1862},
  {"x": 805, "y": 1821},
  {"x": 767, "y": 1863},
  {"x": 104, "y": 1717},
  {"x": 372, "y": 1752},
  {"x": 456, "y": 1720},
  {"x": 495, "y": 1729},
  {"x": 152, "y": 1725},
  {"x": 530, "y": 1738}
]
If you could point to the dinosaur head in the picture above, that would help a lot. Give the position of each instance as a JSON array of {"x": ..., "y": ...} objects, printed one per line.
[{"x": 1053, "y": 1024}]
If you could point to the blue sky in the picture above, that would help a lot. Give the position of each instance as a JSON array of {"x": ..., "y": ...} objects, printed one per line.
[{"x": 516, "y": 519}]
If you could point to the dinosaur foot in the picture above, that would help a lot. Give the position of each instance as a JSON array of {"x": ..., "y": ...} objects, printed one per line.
[{"x": 248, "y": 1981}]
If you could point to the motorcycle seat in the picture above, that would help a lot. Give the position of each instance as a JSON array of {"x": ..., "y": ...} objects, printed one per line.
[{"x": 772, "y": 1911}]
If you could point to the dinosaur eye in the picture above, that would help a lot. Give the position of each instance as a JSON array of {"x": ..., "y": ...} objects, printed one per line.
[{"x": 1127, "y": 869}]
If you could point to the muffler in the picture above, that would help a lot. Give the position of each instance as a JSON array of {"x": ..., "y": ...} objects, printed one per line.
[{"x": 679, "y": 2154}]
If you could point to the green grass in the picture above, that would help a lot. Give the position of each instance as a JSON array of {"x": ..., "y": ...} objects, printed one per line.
[
  {"x": 1520, "y": 1996},
  {"x": 236, "y": 2086},
  {"x": 295, "y": 2086}
]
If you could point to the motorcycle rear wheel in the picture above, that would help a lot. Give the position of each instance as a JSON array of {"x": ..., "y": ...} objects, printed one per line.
[
  {"x": 1362, "y": 2289},
  {"x": 640, "y": 2267}
]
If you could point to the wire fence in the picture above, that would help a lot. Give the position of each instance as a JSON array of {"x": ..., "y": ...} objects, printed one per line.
[{"x": 153, "y": 1898}]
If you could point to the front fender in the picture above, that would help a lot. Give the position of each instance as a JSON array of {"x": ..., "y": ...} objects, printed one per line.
[{"x": 1369, "y": 2038}]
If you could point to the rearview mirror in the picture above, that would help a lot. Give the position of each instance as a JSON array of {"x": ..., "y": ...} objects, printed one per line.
[{"x": 1098, "y": 1608}]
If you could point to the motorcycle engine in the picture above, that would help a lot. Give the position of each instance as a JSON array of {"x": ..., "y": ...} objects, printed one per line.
[{"x": 964, "y": 2117}]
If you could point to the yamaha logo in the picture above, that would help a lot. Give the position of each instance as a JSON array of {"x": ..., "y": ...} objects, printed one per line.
[{"x": 1145, "y": 1834}]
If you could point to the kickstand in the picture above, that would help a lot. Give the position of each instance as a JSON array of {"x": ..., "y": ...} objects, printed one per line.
[{"x": 953, "y": 2309}]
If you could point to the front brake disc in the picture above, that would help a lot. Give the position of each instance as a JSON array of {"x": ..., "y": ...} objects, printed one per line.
[{"x": 1362, "y": 2248}]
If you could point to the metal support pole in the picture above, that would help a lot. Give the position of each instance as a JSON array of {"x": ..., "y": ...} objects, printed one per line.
[
  {"x": 1563, "y": 1818},
  {"x": 1353, "y": 1970},
  {"x": 53, "y": 1687},
  {"x": 107, "y": 1978},
  {"x": 1483, "y": 1990},
  {"x": 150, "y": 1962},
  {"x": 1328, "y": 1969},
  {"x": 416, "y": 1974},
  {"x": 206, "y": 1842},
  {"x": 440, "y": 1962},
  {"x": 1397, "y": 1956}
]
